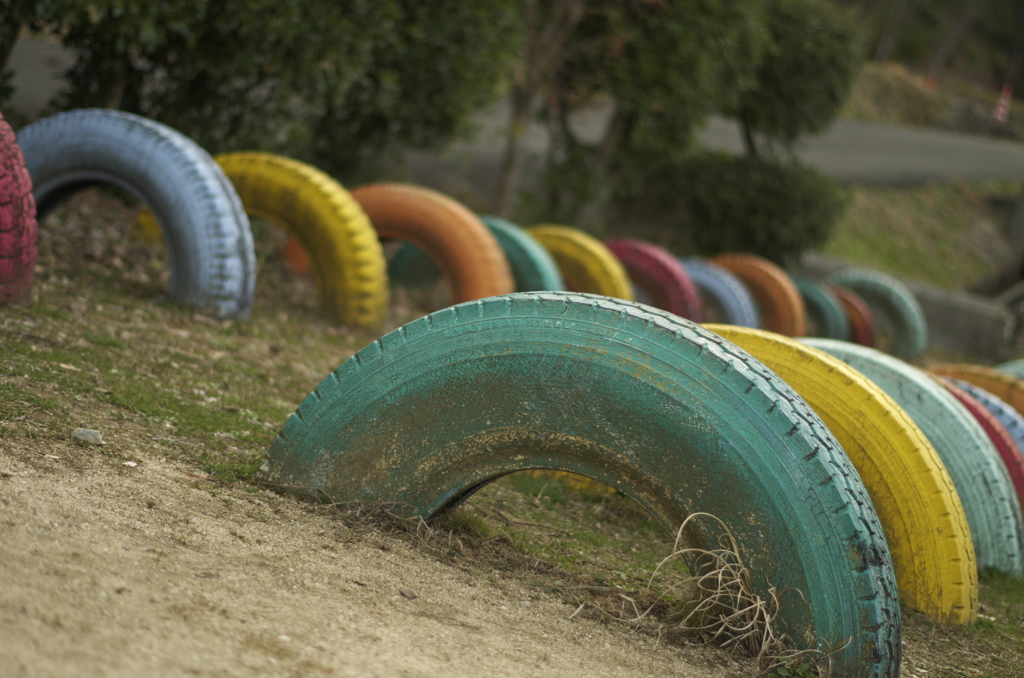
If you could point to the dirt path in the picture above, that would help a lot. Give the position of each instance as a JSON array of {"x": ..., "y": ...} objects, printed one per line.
[{"x": 114, "y": 570}]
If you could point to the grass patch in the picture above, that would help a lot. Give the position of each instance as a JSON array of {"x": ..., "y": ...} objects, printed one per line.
[
  {"x": 993, "y": 646},
  {"x": 948, "y": 235}
]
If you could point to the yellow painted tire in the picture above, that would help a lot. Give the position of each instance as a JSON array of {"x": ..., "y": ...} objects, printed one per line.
[
  {"x": 587, "y": 265},
  {"x": 347, "y": 258},
  {"x": 917, "y": 504}
]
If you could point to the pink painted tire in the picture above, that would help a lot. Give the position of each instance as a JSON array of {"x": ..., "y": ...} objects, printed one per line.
[
  {"x": 18, "y": 230},
  {"x": 660, "y": 276}
]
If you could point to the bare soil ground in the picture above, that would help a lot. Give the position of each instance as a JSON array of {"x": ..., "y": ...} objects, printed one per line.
[{"x": 154, "y": 554}]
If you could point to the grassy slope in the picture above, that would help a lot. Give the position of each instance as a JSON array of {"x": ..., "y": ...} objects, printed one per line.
[
  {"x": 889, "y": 93},
  {"x": 947, "y": 235},
  {"x": 944, "y": 234},
  {"x": 99, "y": 348}
]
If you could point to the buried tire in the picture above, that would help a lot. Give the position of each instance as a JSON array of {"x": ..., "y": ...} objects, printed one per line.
[
  {"x": 533, "y": 269},
  {"x": 212, "y": 261},
  {"x": 782, "y": 309},
  {"x": 1003, "y": 385},
  {"x": 346, "y": 257},
  {"x": 672, "y": 415},
  {"x": 980, "y": 478},
  {"x": 587, "y": 265},
  {"x": 463, "y": 248},
  {"x": 822, "y": 306},
  {"x": 18, "y": 230},
  {"x": 660, "y": 276},
  {"x": 718, "y": 287},
  {"x": 1000, "y": 436},
  {"x": 892, "y": 300},
  {"x": 861, "y": 322},
  {"x": 917, "y": 504}
]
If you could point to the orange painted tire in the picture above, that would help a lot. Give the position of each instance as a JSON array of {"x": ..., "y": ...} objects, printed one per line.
[
  {"x": 782, "y": 309},
  {"x": 468, "y": 255},
  {"x": 1004, "y": 386},
  {"x": 862, "y": 323}
]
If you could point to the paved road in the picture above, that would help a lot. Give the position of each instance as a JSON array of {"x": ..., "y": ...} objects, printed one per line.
[{"x": 852, "y": 152}]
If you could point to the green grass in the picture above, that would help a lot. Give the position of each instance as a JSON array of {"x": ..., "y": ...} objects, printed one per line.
[{"x": 947, "y": 235}]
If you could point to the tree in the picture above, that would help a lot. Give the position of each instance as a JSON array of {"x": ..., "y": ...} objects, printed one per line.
[
  {"x": 957, "y": 25},
  {"x": 898, "y": 15},
  {"x": 664, "y": 66},
  {"x": 805, "y": 74},
  {"x": 334, "y": 82},
  {"x": 548, "y": 25}
]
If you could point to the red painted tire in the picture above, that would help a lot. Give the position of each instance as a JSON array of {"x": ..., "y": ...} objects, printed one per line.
[
  {"x": 997, "y": 433},
  {"x": 862, "y": 323},
  {"x": 782, "y": 309},
  {"x": 18, "y": 230},
  {"x": 469, "y": 256},
  {"x": 660, "y": 276}
]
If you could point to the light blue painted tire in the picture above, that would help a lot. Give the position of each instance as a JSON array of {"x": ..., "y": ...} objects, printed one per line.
[
  {"x": 212, "y": 260},
  {"x": 723, "y": 290}
]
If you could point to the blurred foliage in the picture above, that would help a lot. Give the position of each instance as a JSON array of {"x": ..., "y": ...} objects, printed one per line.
[
  {"x": 665, "y": 66},
  {"x": 775, "y": 208},
  {"x": 335, "y": 83},
  {"x": 805, "y": 73},
  {"x": 988, "y": 56},
  {"x": 787, "y": 65}
]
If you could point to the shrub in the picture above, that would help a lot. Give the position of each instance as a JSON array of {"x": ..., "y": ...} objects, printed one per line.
[
  {"x": 336, "y": 83},
  {"x": 776, "y": 209}
]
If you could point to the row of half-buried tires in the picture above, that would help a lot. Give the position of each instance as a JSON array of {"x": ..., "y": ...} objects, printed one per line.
[
  {"x": 212, "y": 262},
  {"x": 752, "y": 407},
  {"x": 200, "y": 205},
  {"x": 842, "y": 473}
]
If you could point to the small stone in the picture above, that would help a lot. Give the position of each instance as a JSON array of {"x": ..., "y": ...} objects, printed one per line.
[
  {"x": 283, "y": 638},
  {"x": 406, "y": 593},
  {"x": 87, "y": 435},
  {"x": 130, "y": 464}
]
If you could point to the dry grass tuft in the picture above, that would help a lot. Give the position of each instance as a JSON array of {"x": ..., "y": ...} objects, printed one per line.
[{"x": 727, "y": 612}]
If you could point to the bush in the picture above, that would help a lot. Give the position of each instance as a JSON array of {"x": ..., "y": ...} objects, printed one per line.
[
  {"x": 335, "y": 83},
  {"x": 776, "y": 209}
]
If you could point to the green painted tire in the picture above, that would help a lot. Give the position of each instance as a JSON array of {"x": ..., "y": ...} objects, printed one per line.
[
  {"x": 671, "y": 414},
  {"x": 892, "y": 300},
  {"x": 533, "y": 268},
  {"x": 978, "y": 473},
  {"x": 823, "y": 309}
]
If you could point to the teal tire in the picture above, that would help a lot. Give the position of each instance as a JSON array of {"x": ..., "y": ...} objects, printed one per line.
[
  {"x": 674, "y": 416},
  {"x": 824, "y": 312},
  {"x": 532, "y": 267},
  {"x": 978, "y": 473},
  {"x": 893, "y": 301}
]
